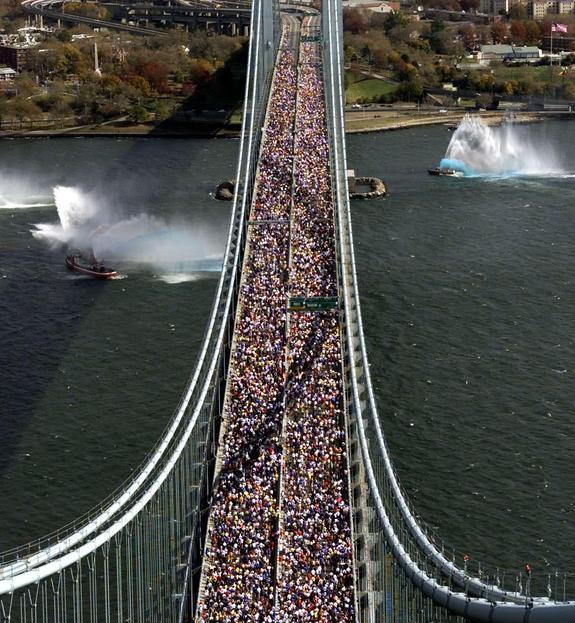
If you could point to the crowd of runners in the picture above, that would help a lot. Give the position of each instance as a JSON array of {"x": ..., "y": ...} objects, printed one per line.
[
  {"x": 315, "y": 577},
  {"x": 279, "y": 543}
]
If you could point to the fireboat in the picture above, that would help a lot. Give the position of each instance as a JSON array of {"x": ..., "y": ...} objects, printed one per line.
[
  {"x": 93, "y": 268},
  {"x": 446, "y": 172}
]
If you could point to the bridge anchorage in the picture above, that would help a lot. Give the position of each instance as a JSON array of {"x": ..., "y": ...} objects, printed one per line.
[{"x": 271, "y": 495}]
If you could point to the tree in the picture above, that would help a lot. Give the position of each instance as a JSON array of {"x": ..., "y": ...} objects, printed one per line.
[
  {"x": 26, "y": 85},
  {"x": 439, "y": 36},
  {"x": 532, "y": 32},
  {"x": 518, "y": 32},
  {"x": 443, "y": 42},
  {"x": 110, "y": 85},
  {"x": 153, "y": 71},
  {"x": 380, "y": 57},
  {"x": 23, "y": 108},
  {"x": 163, "y": 111},
  {"x": 483, "y": 34},
  {"x": 140, "y": 84},
  {"x": 467, "y": 33},
  {"x": 354, "y": 21},
  {"x": 64, "y": 36},
  {"x": 569, "y": 91},
  {"x": 138, "y": 114},
  {"x": 518, "y": 12},
  {"x": 411, "y": 89},
  {"x": 200, "y": 71},
  {"x": 87, "y": 9},
  {"x": 499, "y": 32},
  {"x": 393, "y": 20},
  {"x": 9, "y": 27}
]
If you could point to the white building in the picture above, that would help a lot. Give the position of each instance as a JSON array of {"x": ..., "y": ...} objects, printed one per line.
[{"x": 525, "y": 53}]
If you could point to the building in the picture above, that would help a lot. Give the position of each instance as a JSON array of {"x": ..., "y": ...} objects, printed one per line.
[
  {"x": 372, "y": 5},
  {"x": 7, "y": 84},
  {"x": 7, "y": 74},
  {"x": 384, "y": 7},
  {"x": 565, "y": 7},
  {"x": 538, "y": 9},
  {"x": 560, "y": 44},
  {"x": 15, "y": 55},
  {"x": 495, "y": 7},
  {"x": 499, "y": 7},
  {"x": 509, "y": 53}
]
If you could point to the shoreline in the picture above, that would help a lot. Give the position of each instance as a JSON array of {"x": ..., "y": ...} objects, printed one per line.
[
  {"x": 355, "y": 123},
  {"x": 396, "y": 121}
]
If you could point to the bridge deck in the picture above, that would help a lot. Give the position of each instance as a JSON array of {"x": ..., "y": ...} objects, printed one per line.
[{"x": 282, "y": 546}]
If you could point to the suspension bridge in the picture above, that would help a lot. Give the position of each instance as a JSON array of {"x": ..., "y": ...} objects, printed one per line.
[{"x": 271, "y": 494}]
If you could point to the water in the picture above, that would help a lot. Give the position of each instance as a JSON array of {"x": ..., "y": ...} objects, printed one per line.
[
  {"x": 91, "y": 371},
  {"x": 467, "y": 293}
]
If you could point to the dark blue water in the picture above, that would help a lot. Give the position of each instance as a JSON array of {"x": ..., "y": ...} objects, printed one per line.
[
  {"x": 468, "y": 292},
  {"x": 92, "y": 371},
  {"x": 468, "y": 297}
]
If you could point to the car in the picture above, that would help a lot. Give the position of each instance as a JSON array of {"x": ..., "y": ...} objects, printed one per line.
[{"x": 443, "y": 111}]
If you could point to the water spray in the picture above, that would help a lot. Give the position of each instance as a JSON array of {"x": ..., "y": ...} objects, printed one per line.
[
  {"x": 477, "y": 149},
  {"x": 87, "y": 224}
]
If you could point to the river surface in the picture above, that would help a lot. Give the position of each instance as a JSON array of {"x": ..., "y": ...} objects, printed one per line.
[{"x": 468, "y": 298}]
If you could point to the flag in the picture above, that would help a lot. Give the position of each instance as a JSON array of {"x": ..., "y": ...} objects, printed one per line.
[{"x": 559, "y": 28}]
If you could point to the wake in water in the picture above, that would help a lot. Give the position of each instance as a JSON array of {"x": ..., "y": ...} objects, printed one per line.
[
  {"x": 17, "y": 193},
  {"x": 87, "y": 224},
  {"x": 29, "y": 202},
  {"x": 477, "y": 149}
]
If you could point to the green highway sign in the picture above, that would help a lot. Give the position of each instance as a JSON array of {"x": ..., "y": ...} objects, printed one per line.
[{"x": 314, "y": 303}]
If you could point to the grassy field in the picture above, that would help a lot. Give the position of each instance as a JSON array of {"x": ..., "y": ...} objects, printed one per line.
[{"x": 364, "y": 88}]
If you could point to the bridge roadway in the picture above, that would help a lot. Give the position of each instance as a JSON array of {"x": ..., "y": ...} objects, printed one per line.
[{"x": 279, "y": 544}]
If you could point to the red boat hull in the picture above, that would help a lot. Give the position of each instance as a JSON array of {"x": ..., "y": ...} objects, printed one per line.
[{"x": 103, "y": 273}]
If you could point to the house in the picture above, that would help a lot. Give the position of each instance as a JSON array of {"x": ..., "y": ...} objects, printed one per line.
[
  {"x": 7, "y": 74},
  {"x": 372, "y": 5}
]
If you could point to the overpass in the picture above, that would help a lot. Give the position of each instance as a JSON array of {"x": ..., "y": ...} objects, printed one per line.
[
  {"x": 149, "y": 18},
  {"x": 160, "y": 548}
]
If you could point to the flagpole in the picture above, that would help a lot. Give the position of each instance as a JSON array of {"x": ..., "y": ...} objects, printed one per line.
[{"x": 551, "y": 59}]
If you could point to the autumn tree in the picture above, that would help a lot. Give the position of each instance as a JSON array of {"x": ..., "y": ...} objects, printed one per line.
[
  {"x": 518, "y": 32},
  {"x": 200, "y": 70},
  {"x": 393, "y": 20},
  {"x": 499, "y": 32},
  {"x": 354, "y": 21},
  {"x": 411, "y": 89},
  {"x": 23, "y": 108},
  {"x": 467, "y": 33},
  {"x": 532, "y": 32}
]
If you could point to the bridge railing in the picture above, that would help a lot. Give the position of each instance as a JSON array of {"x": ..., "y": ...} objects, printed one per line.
[{"x": 393, "y": 546}]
